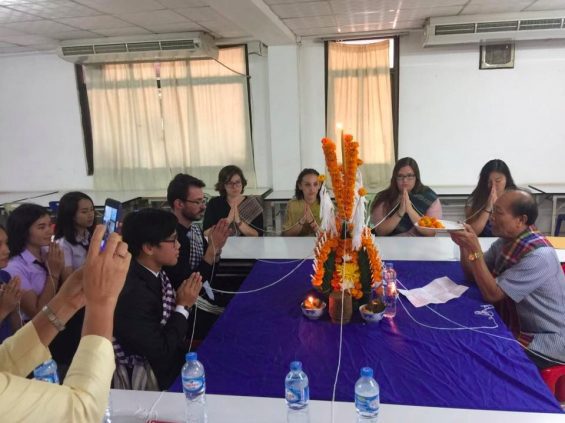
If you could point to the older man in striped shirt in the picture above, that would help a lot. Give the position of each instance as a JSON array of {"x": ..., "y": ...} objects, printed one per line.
[{"x": 523, "y": 267}]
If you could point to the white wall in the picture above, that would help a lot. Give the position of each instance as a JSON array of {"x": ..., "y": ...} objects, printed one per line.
[
  {"x": 455, "y": 117},
  {"x": 40, "y": 130}
]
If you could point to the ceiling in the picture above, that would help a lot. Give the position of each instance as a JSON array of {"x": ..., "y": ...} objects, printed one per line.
[{"x": 40, "y": 25}]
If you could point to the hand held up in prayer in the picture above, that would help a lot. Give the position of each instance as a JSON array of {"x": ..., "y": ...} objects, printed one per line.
[
  {"x": 188, "y": 291},
  {"x": 10, "y": 295},
  {"x": 55, "y": 261},
  {"x": 491, "y": 198},
  {"x": 219, "y": 234},
  {"x": 402, "y": 204},
  {"x": 407, "y": 203}
]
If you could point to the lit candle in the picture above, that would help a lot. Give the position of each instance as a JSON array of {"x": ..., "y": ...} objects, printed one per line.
[{"x": 311, "y": 303}]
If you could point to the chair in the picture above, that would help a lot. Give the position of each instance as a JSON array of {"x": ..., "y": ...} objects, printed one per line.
[
  {"x": 560, "y": 218},
  {"x": 554, "y": 378}
]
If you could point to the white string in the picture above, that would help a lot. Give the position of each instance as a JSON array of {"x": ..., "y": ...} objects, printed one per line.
[
  {"x": 478, "y": 330},
  {"x": 485, "y": 312},
  {"x": 263, "y": 287},
  {"x": 340, "y": 332}
]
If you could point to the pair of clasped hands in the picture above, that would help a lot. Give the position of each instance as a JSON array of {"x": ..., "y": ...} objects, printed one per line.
[
  {"x": 308, "y": 218},
  {"x": 405, "y": 206}
]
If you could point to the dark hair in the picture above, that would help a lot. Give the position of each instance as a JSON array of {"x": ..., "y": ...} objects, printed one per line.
[
  {"x": 389, "y": 196},
  {"x": 225, "y": 175},
  {"x": 68, "y": 207},
  {"x": 524, "y": 205},
  {"x": 480, "y": 194},
  {"x": 178, "y": 187},
  {"x": 297, "y": 192},
  {"x": 18, "y": 224},
  {"x": 147, "y": 226}
]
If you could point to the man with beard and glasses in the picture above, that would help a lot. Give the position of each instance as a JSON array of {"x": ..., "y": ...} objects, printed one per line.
[{"x": 186, "y": 198}]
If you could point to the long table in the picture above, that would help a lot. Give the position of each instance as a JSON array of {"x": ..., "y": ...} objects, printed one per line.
[
  {"x": 137, "y": 406},
  {"x": 249, "y": 349},
  {"x": 390, "y": 248}
]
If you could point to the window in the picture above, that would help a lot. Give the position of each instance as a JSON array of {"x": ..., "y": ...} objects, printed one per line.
[
  {"x": 151, "y": 121},
  {"x": 362, "y": 95}
]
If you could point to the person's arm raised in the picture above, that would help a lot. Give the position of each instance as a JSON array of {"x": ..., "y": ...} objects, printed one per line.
[{"x": 104, "y": 277}]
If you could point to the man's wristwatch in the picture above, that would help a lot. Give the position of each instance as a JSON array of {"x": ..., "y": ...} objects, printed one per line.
[{"x": 475, "y": 256}]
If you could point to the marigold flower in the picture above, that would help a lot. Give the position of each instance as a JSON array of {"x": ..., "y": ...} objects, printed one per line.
[{"x": 362, "y": 192}]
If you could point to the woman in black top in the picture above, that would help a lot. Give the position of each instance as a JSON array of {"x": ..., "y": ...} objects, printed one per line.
[{"x": 244, "y": 213}]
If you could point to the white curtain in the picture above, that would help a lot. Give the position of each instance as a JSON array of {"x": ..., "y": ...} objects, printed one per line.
[
  {"x": 205, "y": 107},
  {"x": 359, "y": 97},
  {"x": 197, "y": 122},
  {"x": 126, "y": 125}
]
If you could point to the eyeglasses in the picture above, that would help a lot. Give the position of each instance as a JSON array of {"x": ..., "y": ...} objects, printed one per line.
[
  {"x": 233, "y": 184},
  {"x": 408, "y": 177},
  {"x": 172, "y": 241},
  {"x": 199, "y": 203}
]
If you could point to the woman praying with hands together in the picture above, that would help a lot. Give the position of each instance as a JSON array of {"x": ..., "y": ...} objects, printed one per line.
[
  {"x": 244, "y": 213},
  {"x": 303, "y": 212},
  {"x": 396, "y": 209},
  {"x": 494, "y": 180}
]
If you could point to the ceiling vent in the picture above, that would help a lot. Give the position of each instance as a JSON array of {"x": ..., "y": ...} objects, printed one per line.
[
  {"x": 464, "y": 29},
  {"x": 164, "y": 47}
]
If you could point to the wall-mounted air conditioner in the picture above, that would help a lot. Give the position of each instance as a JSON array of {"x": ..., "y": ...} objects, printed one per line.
[
  {"x": 192, "y": 45},
  {"x": 464, "y": 29}
]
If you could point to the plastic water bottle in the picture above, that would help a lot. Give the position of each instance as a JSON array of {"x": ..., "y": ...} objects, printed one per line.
[
  {"x": 301, "y": 415},
  {"x": 367, "y": 400},
  {"x": 107, "y": 417},
  {"x": 47, "y": 372},
  {"x": 297, "y": 392},
  {"x": 390, "y": 290},
  {"x": 194, "y": 388}
]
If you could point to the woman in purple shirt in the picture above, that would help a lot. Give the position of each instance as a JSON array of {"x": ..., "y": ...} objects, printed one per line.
[
  {"x": 74, "y": 227},
  {"x": 33, "y": 257}
]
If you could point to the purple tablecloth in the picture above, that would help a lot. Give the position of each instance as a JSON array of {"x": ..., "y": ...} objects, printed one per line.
[{"x": 249, "y": 349}]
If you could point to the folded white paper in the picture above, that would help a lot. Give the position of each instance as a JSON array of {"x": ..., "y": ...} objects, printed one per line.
[{"x": 438, "y": 291}]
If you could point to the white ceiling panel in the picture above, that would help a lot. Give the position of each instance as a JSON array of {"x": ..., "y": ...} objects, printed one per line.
[
  {"x": 16, "y": 49},
  {"x": 39, "y": 27},
  {"x": 275, "y": 22},
  {"x": 547, "y": 5},
  {"x": 200, "y": 14},
  {"x": 74, "y": 35},
  {"x": 174, "y": 27},
  {"x": 10, "y": 15},
  {"x": 295, "y": 10},
  {"x": 55, "y": 9},
  {"x": 26, "y": 39},
  {"x": 178, "y": 4},
  {"x": 95, "y": 22},
  {"x": 157, "y": 17},
  {"x": 122, "y": 6},
  {"x": 351, "y": 6},
  {"x": 310, "y": 22},
  {"x": 271, "y": 2}
]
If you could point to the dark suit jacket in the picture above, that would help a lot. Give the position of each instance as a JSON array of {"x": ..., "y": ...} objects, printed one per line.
[
  {"x": 137, "y": 325},
  {"x": 182, "y": 270}
]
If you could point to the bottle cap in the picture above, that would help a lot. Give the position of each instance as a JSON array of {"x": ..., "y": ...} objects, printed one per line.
[
  {"x": 191, "y": 356},
  {"x": 366, "y": 372},
  {"x": 296, "y": 365}
]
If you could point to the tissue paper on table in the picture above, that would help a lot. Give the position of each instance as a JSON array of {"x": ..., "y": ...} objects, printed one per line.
[{"x": 438, "y": 291}]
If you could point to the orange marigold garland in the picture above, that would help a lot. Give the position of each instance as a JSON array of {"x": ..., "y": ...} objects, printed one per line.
[{"x": 337, "y": 265}]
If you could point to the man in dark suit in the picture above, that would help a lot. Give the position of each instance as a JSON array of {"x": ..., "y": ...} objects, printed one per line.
[
  {"x": 151, "y": 319},
  {"x": 186, "y": 197}
]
